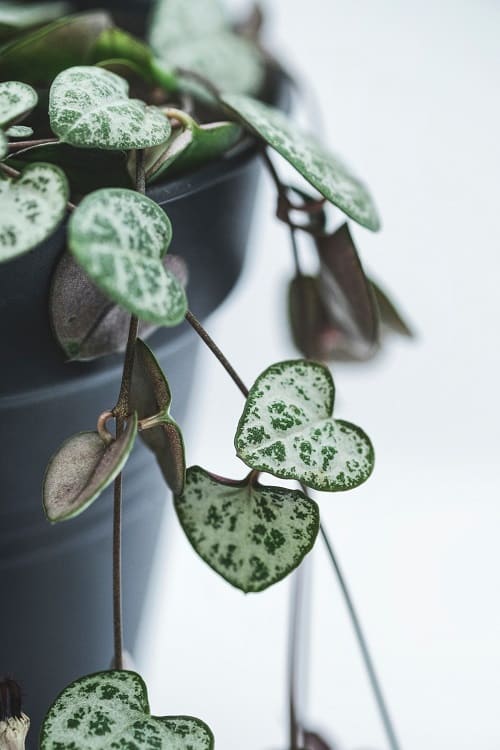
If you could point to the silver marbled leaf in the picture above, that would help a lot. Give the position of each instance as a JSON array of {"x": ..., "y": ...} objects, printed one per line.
[
  {"x": 17, "y": 99},
  {"x": 19, "y": 131}
]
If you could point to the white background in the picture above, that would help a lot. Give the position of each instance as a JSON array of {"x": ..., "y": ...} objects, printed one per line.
[{"x": 410, "y": 96}]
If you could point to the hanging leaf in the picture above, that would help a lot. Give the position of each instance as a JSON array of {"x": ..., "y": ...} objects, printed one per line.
[
  {"x": 322, "y": 169},
  {"x": 33, "y": 205},
  {"x": 390, "y": 316},
  {"x": 81, "y": 469},
  {"x": 111, "y": 710},
  {"x": 19, "y": 131},
  {"x": 85, "y": 322},
  {"x": 193, "y": 146},
  {"x": 119, "y": 237},
  {"x": 314, "y": 741},
  {"x": 17, "y": 16},
  {"x": 252, "y": 535},
  {"x": 347, "y": 295},
  {"x": 313, "y": 333},
  {"x": 150, "y": 397},
  {"x": 38, "y": 56},
  {"x": 287, "y": 429},
  {"x": 3, "y": 151},
  {"x": 17, "y": 99},
  {"x": 89, "y": 107},
  {"x": 174, "y": 21}
]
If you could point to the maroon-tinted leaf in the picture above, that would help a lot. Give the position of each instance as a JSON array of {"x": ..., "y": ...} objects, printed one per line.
[
  {"x": 314, "y": 741},
  {"x": 390, "y": 317},
  {"x": 313, "y": 333},
  {"x": 150, "y": 397},
  {"x": 86, "y": 323}
]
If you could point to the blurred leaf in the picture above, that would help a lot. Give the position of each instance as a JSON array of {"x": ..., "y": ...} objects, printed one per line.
[
  {"x": 85, "y": 322},
  {"x": 347, "y": 294},
  {"x": 287, "y": 429},
  {"x": 389, "y": 315},
  {"x": 32, "y": 207},
  {"x": 322, "y": 169},
  {"x": 16, "y": 101},
  {"x": 38, "y": 56},
  {"x": 18, "y": 16},
  {"x": 19, "y": 131},
  {"x": 120, "y": 237},
  {"x": 174, "y": 21},
  {"x": 251, "y": 26},
  {"x": 111, "y": 709},
  {"x": 252, "y": 535},
  {"x": 89, "y": 107},
  {"x": 313, "y": 333},
  {"x": 3, "y": 151},
  {"x": 150, "y": 396},
  {"x": 81, "y": 469},
  {"x": 314, "y": 741}
]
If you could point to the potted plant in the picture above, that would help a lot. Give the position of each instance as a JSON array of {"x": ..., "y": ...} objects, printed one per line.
[{"x": 115, "y": 177}]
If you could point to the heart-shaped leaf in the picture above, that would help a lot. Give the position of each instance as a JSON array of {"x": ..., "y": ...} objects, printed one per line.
[
  {"x": 252, "y": 535},
  {"x": 111, "y": 710},
  {"x": 287, "y": 429},
  {"x": 390, "y": 316},
  {"x": 17, "y": 99},
  {"x": 85, "y": 322},
  {"x": 81, "y": 469},
  {"x": 17, "y": 16},
  {"x": 38, "y": 56},
  {"x": 347, "y": 294},
  {"x": 150, "y": 397},
  {"x": 19, "y": 131},
  {"x": 322, "y": 169},
  {"x": 313, "y": 332},
  {"x": 89, "y": 107},
  {"x": 32, "y": 207},
  {"x": 119, "y": 237}
]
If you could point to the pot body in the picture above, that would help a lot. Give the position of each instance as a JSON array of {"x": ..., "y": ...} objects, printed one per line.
[{"x": 55, "y": 581}]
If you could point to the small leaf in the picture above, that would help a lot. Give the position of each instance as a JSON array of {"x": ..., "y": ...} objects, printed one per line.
[
  {"x": 38, "y": 56},
  {"x": 32, "y": 207},
  {"x": 252, "y": 535},
  {"x": 3, "y": 151},
  {"x": 322, "y": 169},
  {"x": 313, "y": 333},
  {"x": 111, "y": 710},
  {"x": 347, "y": 294},
  {"x": 287, "y": 429},
  {"x": 86, "y": 323},
  {"x": 150, "y": 396},
  {"x": 17, "y": 16},
  {"x": 119, "y": 237},
  {"x": 17, "y": 99},
  {"x": 389, "y": 314},
  {"x": 89, "y": 107},
  {"x": 19, "y": 131},
  {"x": 314, "y": 741},
  {"x": 81, "y": 469}
]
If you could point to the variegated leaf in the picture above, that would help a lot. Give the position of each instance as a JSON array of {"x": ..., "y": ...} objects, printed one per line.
[
  {"x": 81, "y": 469},
  {"x": 89, "y": 107},
  {"x": 321, "y": 168},
  {"x": 287, "y": 429},
  {"x": 19, "y": 131},
  {"x": 31, "y": 207},
  {"x": 119, "y": 237},
  {"x": 150, "y": 397},
  {"x": 18, "y": 16},
  {"x": 174, "y": 21},
  {"x": 111, "y": 710},
  {"x": 252, "y": 535},
  {"x": 3, "y": 151},
  {"x": 17, "y": 99}
]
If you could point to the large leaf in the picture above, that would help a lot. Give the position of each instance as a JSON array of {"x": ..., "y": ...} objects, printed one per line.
[
  {"x": 175, "y": 21},
  {"x": 18, "y": 16},
  {"x": 17, "y": 99},
  {"x": 150, "y": 397},
  {"x": 85, "y": 322},
  {"x": 38, "y": 56},
  {"x": 325, "y": 171},
  {"x": 287, "y": 429},
  {"x": 111, "y": 710},
  {"x": 252, "y": 535},
  {"x": 119, "y": 237},
  {"x": 81, "y": 469},
  {"x": 89, "y": 107},
  {"x": 31, "y": 207}
]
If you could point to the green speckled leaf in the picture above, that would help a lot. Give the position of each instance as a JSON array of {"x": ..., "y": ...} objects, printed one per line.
[
  {"x": 31, "y": 207},
  {"x": 17, "y": 99},
  {"x": 18, "y": 16},
  {"x": 81, "y": 469},
  {"x": 322, "y": 169},
  {"x": 120, "y": 237},
  {"x": 150, "y": 396},
  {"x": 37, "y": 56},
  {"x": 89, "y": 107},
  {"x": 110, "y": 710},
  {"x": 252, "y": 535},
  {"x": 3, "y": 151},
  {"x": 287, "y": 429},
  {"x": 19, "y": 131}
]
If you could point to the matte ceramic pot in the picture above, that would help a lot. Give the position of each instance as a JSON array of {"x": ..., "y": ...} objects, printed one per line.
[{"x": 55, "y": 581}]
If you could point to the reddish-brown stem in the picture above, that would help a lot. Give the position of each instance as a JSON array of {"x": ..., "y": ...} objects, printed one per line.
[{"x": 18, "y": 145}]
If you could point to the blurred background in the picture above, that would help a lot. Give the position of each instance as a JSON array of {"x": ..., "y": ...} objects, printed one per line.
[{"x": 409, "y": 96}]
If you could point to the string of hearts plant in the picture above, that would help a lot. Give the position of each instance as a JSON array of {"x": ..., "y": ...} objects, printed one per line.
[{"x": 251, "y": 534}]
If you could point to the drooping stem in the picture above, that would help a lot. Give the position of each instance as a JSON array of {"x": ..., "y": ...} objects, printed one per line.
[
  {"x": 18, "y": 145},
  {"x": 294, "y": 650},
  {"x": 121, "y": 413}
]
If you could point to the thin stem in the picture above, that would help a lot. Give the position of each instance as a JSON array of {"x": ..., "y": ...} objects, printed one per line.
[
  {"x": 295, "y": 251},
  {"x": 208, "y": 340},
  {"x": 17, "y": 145},
  {"x": 294, "y": 643}
]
